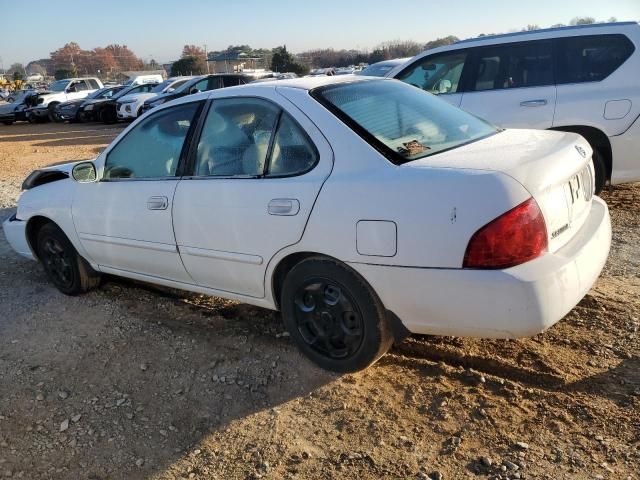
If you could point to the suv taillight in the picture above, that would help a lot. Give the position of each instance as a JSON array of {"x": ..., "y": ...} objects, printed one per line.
[{"x": 515, "y": 237}]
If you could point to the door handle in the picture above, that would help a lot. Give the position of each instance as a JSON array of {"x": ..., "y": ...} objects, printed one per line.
[
  {"x": 157, "y": 203},
  {"x": 533, "y": 103},
  {"x": 284, "y": 206}
]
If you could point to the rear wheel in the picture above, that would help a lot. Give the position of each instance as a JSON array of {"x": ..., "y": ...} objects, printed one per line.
[
  {"x": 334, "y": 316},
  {"x": 600, "y": 170},
  {"x": 66, "y": 269}
]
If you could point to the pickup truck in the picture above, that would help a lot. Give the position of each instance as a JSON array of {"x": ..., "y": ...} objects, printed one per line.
[{"x": 43, "y": 105}]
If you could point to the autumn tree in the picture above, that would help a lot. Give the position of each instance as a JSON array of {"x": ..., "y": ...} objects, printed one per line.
[{"x": 192, "y": 51}]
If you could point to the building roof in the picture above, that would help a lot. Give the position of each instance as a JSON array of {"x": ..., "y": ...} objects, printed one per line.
[{"x": 231, "y": 56}]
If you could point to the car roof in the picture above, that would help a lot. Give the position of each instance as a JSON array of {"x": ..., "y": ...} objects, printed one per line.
[
  {"x": 572, "y": 29},
  {"x": 309, "y": 83}
]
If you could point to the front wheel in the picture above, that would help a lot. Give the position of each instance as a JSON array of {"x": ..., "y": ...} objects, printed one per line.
[
  {"x": 53, "y": 116},
  {"x": 65, "y": 268},
  {"x": 334, "y": 316}
]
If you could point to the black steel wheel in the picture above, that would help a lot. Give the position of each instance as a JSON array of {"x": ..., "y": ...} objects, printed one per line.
[
  {"x": 65, "y": 268},
  {"x": 600, "y": 170},
  {"x": 334, "y": 316}
]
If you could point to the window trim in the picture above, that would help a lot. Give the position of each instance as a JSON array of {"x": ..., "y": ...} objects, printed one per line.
[
  {"x": 394, "y": 157},
  {"x": 190, "y": 165},
  {"x": 475, "y": 58},
  {"x": 183, "y": 153}
]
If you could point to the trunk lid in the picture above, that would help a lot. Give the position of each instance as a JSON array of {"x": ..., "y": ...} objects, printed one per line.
[{"x": 554, "y": 167}]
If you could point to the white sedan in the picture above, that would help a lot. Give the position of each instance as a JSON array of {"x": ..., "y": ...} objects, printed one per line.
[{"x": 363, "y": 209}]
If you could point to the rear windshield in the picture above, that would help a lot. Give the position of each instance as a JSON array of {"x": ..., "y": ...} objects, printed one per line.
[{"x": 402, "y": 121}]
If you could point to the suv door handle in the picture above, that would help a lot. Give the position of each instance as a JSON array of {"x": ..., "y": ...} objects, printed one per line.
[
  {"x": 284, "y": 206},
  {"x": 533, "y": 103},
  {"x": 157, "y": 203}
]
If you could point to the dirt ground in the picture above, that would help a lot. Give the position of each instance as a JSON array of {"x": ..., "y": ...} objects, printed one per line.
[{"x": 132, "y": 382}]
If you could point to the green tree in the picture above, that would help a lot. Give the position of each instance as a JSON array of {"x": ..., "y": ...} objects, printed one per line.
[
  {"x": 283, "y": 61},
  {"x": 189, "y": 66},
  {"x": 62, "y": 73}
]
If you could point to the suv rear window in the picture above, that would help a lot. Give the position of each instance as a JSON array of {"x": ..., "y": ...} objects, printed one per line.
[
  {"x": 401, "y": 121},
  {"x": 591, "y": 58}
]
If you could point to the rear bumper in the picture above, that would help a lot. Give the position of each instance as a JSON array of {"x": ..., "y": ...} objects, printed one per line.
[
  {"x": 625, "y": 151},
  {"x": 517, "y": 302},
  {"x": 15, "y": 232}
]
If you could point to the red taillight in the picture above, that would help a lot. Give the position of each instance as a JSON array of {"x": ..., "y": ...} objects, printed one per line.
[{"x": 513, "y": 238}]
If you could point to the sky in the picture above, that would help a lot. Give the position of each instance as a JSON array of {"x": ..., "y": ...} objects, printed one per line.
[{"x": 158, "y": 29}]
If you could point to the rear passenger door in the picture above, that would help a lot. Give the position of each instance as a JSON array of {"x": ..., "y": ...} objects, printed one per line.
[
  {"x": 512, "y": 85},
  {"x": 257, "y": 170}
]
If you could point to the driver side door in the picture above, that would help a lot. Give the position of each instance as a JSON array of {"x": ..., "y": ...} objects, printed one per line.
[{"x": 124, "y": 219}]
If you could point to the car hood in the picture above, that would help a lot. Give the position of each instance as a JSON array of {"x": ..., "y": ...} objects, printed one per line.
[
  {"x": 137, "y": 97},
  {"x": 8, "y": 107}
]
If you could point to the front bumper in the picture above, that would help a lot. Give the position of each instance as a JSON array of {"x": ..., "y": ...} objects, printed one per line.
[
  {"x": 15, "y": 231},
  {"x": 517, "y": 302},
  {"x": 127, "y": 111},
  {"x": 67, "y": 114}
]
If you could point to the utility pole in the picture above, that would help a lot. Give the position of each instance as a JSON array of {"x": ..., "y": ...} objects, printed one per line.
[{"x": 206, "y": 57}]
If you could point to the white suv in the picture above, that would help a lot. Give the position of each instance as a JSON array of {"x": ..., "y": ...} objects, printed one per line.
[
  {"x": 44, "y": 104},
  {"x": 129, "y": 107},
  {"x": 582, "y": 79}
]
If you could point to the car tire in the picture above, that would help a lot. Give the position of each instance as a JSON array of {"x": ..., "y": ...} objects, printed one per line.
[
  {"x": 600, "y": 170},
  {"x": 53, "y": 116},
  {"x": 106, "y": 117},
  {"x": 81, "y": 117},
  {"x": 65, "y": 268},
  {"x": 334, "y": 316}
]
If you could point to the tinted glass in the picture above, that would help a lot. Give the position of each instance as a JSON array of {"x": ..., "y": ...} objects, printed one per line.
[
  {"x": 93, "y": 83},
  {"x": 293, "y": 152},
  {"x": 404, "y": 122},
  {"x": 235, "y": 138},
  {"x": 377, "y": 70},
  {"x": 231, "y": 81},
  {"x": 152, "y": 149},
  {"x": 513, "y": 66},
  {"x": 591, "y": 58},
  {"x": 436, "y": 74}
]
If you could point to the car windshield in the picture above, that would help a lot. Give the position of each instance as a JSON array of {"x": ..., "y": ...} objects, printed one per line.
[
  {"x": 402, "y": 121},
  {"x": 126, "y": 91},
  {"x": 187, "y": 85},
  {"x": 377, "y": 70},
  {"x": 58, "y": 86},
  {"x": 161, "y": 86}
]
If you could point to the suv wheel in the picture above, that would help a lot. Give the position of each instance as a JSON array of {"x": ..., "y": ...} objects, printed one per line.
[{"x": 600, "y": 171}]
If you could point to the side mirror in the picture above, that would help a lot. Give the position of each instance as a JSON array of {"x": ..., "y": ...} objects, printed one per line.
[
  {"x": 84, "y": 172},
  {"x": 71, "y": 89},
  {"x": 170, "y": 89},
  {"x": 194, "y": 90}
]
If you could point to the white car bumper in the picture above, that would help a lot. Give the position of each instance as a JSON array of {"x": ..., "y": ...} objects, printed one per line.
[
  {"x": 15, "y": 232},
  {"x": 625, "y": 150},
  {"x": 127, "y": 111},
  {"x": 516, "y": 302}
]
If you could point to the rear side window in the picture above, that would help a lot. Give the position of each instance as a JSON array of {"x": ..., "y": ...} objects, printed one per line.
[
  {"x": 232, "y": 81},
  {"x": 591, "y": 58},
  {"x": 94, "y": 85},
  {"x": 513, "y": 66}
]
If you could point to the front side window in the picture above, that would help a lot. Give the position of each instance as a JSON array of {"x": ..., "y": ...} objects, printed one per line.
[
  {"x": 235, "y": 138},
  {"x": 436, "y": 74},
  {"x": 58, "y": 86},
  {"x": 591, "y": 58},
  {"x": 513, "y": 66},
  {"x": 153, "y": 148},
  {"x": 402, "y": 122},
  {"x": 94, "y": 85}
]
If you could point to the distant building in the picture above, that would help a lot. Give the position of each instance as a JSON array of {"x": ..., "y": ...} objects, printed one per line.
[{"x": 230, "y": 62}]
